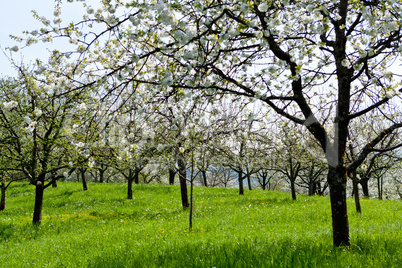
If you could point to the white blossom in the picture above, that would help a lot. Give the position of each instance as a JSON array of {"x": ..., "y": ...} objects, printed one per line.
[
  {"x": 263, "y": 7},
  {"x": 337, "y": 17},
  {"x": 80, "y": 144},
  {"x": 82, "y": 107},
  {"x": 10, "y": 104},
  {"x": 91, "y": 163},
  {"x": 73, "y": 40},
  {"x": 346, "y": 63},
  {"x": 27, "y": 119},
  {"x": 57, "y": 12},
  {"x": 135, "y": 58},
  {"x": 31, "y": 127},
  {"x": 111, "y": 10},
  {"x": 135, "y": 21},
  {"x": 167, "y": 81},
  {"x": 37, "y": 112},
  {"x": 90, "y": 10},
  {"x": 57, "y": 20},
  {"x": 310, "y": 8},
  {"x": 160, "y": 147},
  {"x": 31, "y": 40},
  {"x": 15, "y": 48}
]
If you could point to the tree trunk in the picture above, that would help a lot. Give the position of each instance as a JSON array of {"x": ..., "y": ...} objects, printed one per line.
[
  {"x": 3, "y": 194},
  {"x": 364, "y": 183},
  {"x": 357, "y": 199},
  {"x": 264, "y": 184},
  {"x": 240, "y": 178},
  {"x": 311, "y": 188},
  {"x": 249, "y": 182},
  {"x": 293, "y": 188},
  {"x": 183, "y": 182},
  {"x": 191, "y": 206},
  {"x": 101, "y": 175},
  {"x": 379, "y": 185},
  {"x": 84, "y": 180},
  {"x": 172, "y": 174},
  {"x": 340, "y": 224},
  {"x": 136, "y": 176},
  {"x": 204, "y": 177},
  {"x": 37, "y": 216},
  {"x": 130, "y": 188},
  {"x": 356, "y": 194},
  {"x": 54, "y": 184},
  {"x": 318, "y": 188}
]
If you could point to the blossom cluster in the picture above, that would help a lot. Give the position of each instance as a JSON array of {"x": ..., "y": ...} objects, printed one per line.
[{"x": 10, "y": 104}]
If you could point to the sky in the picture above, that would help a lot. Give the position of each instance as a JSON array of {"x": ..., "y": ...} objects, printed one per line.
[{"x": 16, "y": 16}]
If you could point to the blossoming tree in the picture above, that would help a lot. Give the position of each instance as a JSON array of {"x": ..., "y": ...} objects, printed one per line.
[
  {"x": 37, "y": 115},
  {"x": 321, "y": 64}
]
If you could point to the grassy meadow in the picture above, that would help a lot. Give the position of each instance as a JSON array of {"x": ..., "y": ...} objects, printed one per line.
[{"x": 101, "y": 228}]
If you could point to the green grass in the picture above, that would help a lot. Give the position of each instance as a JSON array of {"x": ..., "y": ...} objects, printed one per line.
[{"x": 101, "y": 228}]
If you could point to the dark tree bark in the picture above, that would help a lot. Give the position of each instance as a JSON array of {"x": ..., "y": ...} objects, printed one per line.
[
  {"x": 191, "y": 205},
  {"x": 83, "y": 179},
  {"x": 291, "y": 171},
  {"x": 249, "y": 182},
  {"x": 263, "y": 185},
  {"x": 102, "y": 170},
  {"x": 240, "y": 178},
  {"x": 264, "y": 179},
  {"x": 379, "y": 187},
  {"x": 356, "y": 194},
  {"x": 39, "y": 189},
  {"x": 133, "y": 175},
  {"x": 204, "y": 177},
  {"x": 365, "y": 189},
  {"x": 340, "y": 223},
  {"x": 54, "y": 183},
  {"x": 183, "y": 182},
  {"x": 3, "y": 194},
  {"x": 130, "y": 188},
  {"x": 312, "y": 188},
  {"x": 136, "y": 176},
  {"x": 172, "y": 174},
  {"x": 293, "y": 188}
]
